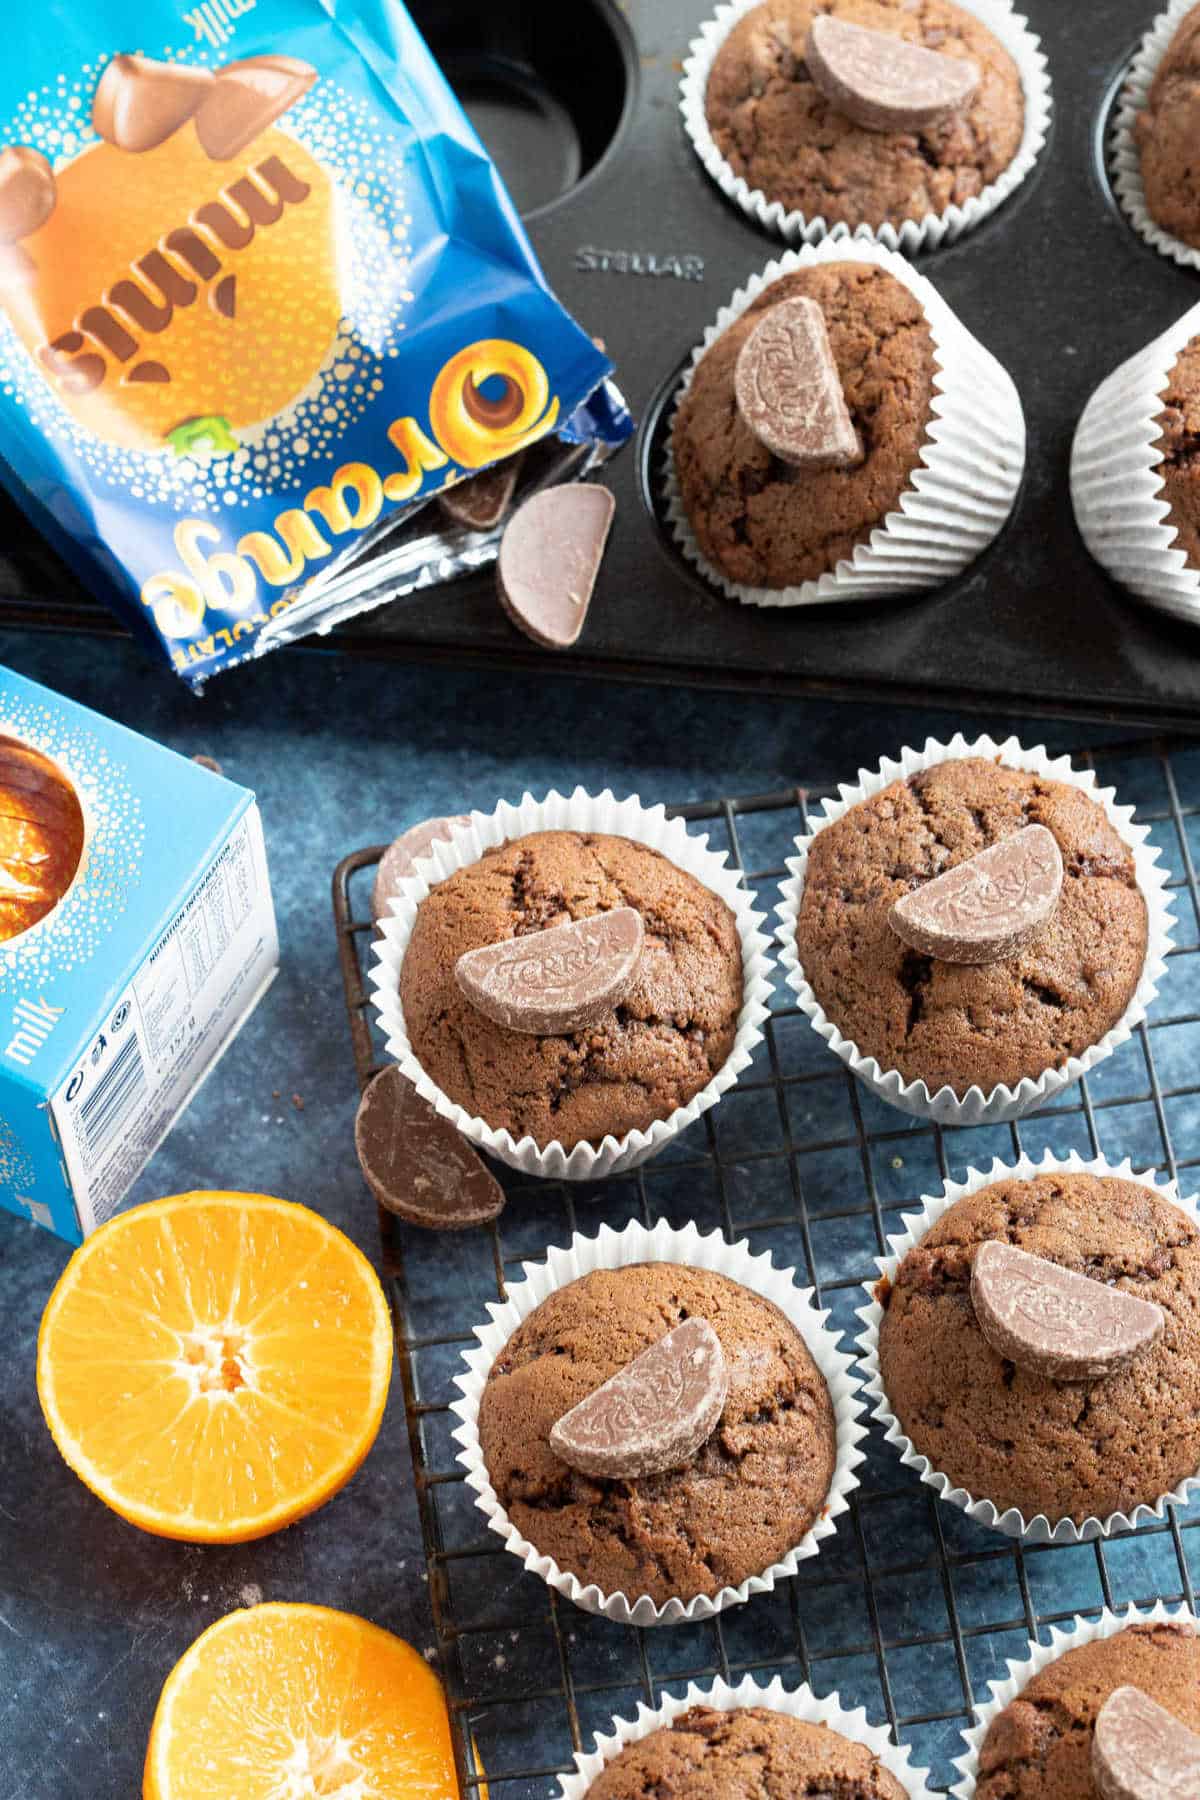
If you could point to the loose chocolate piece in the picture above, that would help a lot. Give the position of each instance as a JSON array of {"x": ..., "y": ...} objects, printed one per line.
[
  {"x": 988, "y": 907},
  {"x": 884, "y": 82},
  {"x": 481, "y": 501},
  {"x": 789, "y": 392},
  {"x": 246, "y": 98},
  {"x": 1053, "y": 1322},
  {"x": 208, "y": 762},
  {"x": 1140, "y": 1751},
  {"x": 547, "y": 983},
  {"x": 27, "y": 192},
  {"x": 140, "y": 103},
  {"x": 417, "y": 1164},
  {"x": 402, "y": 856},
  {"x": 652, "y": 1415},
  {"x": 549, "y": 558}
]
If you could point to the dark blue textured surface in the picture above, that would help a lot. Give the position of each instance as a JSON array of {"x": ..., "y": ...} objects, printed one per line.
[{"x": 92, "y": 1613}]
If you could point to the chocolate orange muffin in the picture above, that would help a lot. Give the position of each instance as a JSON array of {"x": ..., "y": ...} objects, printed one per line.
[
  {"x": 749, "y": 1494},
  {"x": 751, "y": 1753},
  {"x": 961, "y": 1025},
  {"x": 642, "y": 1060},
  {"x": 1008, "y": 1434},
  {"x": 1179, "y": 423},
  {"x": 1040, "y": 1746},
  {"x": 1165, "y": 135},
  {"x": 763, "y": 522},
  {"x": 780, "y": 134}
]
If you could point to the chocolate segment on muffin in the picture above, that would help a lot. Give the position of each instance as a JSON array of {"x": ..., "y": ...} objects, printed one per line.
[
  {"x": 751, "y": 1753},
  {"x": 762, "y": 521},
  {"x": 640, "y": 1061},
  {"x": 780, "y": 133},
  {"x": 750, "y": 1493},
  {"x": 1017, "y": 1437},
  {"x": 1165, "y": 133},
  {"x": 1040, "y": 1746},
  {"x": 959, "y": 1025}
]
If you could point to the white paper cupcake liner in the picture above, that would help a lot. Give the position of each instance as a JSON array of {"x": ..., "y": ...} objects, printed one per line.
[
  {"x": 1001, "y": 1103},
  {"x": 617, "y": 1249},
  {"x": 1125, "y": 164},
  {"x": 1012, "y": 1523},
  {"x": 1021, "y": 1672},
  {"x": 914, "y": 234},
  {"x": 798, "y": 1703},
  {"x": 971, "y": 462},
  {"x": 579, "y": 811},
  {"x": 1119, "y": 498}
]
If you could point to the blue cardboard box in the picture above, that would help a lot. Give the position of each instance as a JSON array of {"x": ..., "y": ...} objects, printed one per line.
[{"x": 116, "y": 1004}]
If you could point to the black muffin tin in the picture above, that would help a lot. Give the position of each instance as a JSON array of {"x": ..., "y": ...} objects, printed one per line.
[{"x": 579, "y": 104}]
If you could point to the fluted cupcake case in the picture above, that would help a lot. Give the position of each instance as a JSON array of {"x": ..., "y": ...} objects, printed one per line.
[
  {"x": 914, "y": 235},
  {"x": 1120, "y": 503},
  {"x": 585, "y": 812},
  {"x": 971, "y": 462},
  {"x": 1125, "y": 163},
  {"x": 616, "y": 1249},
  {"x": 1012, "y": 1523},
  {"x": 1001, "y": 1103},
  {"x": 1022, "y": 1671},
  {"x": 798, "y": 1703}
]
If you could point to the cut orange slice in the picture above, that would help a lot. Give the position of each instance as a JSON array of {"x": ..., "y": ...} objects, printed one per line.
[
  {"x": 214, "y": 1366},
  {"x": 283, "y": 1702}
]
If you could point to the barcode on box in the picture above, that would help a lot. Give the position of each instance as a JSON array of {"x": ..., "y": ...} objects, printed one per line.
[{"x": 113, "y": 1098}]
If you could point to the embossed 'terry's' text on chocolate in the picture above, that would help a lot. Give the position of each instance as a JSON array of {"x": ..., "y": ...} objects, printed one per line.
[
  {"x": 1140, "y": 1751},
  {"x": 652, "y": 1415},
  {"x": 1054, "y": 1322},
  {"x": 988, "y": 907},
  {"x": 560, "y": 980},
  {"x": 884, "y": 82},
  {"x": 789, "y": 392}
]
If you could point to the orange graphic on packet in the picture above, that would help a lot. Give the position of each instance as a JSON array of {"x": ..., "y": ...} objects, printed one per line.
[{"x": 185, "y": 270}]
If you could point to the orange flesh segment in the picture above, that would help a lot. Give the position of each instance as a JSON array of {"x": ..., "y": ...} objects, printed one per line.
[{"x": 214, "y": 1366}]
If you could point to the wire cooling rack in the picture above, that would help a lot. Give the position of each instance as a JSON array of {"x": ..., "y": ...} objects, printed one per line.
[{"x": 910, "y": 1609}]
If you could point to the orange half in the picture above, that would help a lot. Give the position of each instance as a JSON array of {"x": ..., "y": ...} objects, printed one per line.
[
  {"x": 283, "y": 1700},
  {"x": 215, "y": 1366}
]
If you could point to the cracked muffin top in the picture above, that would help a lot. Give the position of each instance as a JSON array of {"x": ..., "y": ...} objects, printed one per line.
[
  {"x": 1040, "y": 1746},
  {"x": 749, "y": 1494},
  {"x": 1179, "y": 467},
  {"x": 1077, "y": 1449},
  {"x": 962, "y": 1025},
  {"x": 763, "y": 522},
  {"x": 1165, "y": 135},
  {"x": 778, "y": 132},
  {"x": 649, "y": 1055},
  {"x": 749, "y": 1754}
]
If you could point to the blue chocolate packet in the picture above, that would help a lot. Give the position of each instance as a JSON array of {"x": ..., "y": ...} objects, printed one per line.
[{"x": 262, "y": 295}]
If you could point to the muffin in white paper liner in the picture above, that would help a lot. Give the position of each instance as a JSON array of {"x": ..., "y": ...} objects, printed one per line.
[
  {"x": 1021, "y": 1672},
  {"x": 1125, "y": 163},
  {"x": 914, "y": 235},
  {"x": 1001, "y": 1103},
  {"x": 1039, "y": 1530},
  {"x": 1119, "y": 497},
  {"x": 663, "y": 1243},
  {"x": 578, "y": 811},
  {"x": 798, "y": 1703},
  {"x": 960, "y": 495}
]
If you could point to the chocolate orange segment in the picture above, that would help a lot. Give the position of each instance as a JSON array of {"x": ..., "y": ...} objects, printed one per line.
[
  {"x": 41, "y": 836},
  {"x": 266, "y": 217}
]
